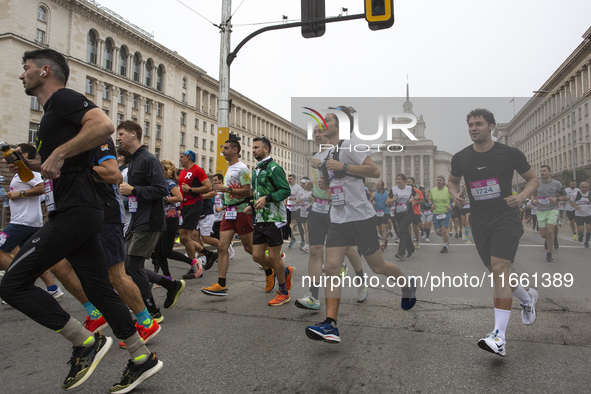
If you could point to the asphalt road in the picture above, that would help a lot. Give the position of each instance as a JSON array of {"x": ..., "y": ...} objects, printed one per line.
[{"x": 239, "y": 344}]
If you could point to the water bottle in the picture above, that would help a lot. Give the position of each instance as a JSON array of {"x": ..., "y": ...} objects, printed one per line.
[{"x": 5, "y": 200}]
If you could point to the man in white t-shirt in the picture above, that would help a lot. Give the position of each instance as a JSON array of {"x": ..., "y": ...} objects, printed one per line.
[
  {"x": 25, "y": 218},
  {"x": 352, "y": 222},
  {"x": 582, "y": 205},
  {"x": 570, "y": 211},
  {"x": 293, "y": 210}
]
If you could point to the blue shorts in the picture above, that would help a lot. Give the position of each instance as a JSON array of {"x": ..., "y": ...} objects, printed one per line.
[
  {"x": 15, "y": 235},
  {"x": 113, "y": 243},
  {"x": 441, "y": 222}
]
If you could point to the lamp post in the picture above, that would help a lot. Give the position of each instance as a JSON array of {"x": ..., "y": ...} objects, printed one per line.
[{"x": 572, "y": 124}]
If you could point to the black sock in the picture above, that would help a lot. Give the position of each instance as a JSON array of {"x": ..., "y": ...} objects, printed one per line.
[
  {"x": 167, "y": 284},
  {"x": 151, "y": 305},
  {"x": 331, "y": 321},
  {"x": 222, "y": 282},
  {"x": 314, "y": 290},
  {"x": 360, "y": 273},
  {"x": 268, "y": 272}
]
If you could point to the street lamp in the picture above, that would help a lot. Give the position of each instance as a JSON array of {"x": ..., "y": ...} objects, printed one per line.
[{"x": 572, "y": 124}]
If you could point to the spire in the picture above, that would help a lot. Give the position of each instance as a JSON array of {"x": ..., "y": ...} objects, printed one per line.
[
  {"x": 407, "y": 106},
  {"x": 407, "y": 94}
]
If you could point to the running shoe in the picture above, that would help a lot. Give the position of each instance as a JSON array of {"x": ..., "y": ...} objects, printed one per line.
[
  {"x": 528, "y": 312},
  {"x": 362, "y": 293},
  {"x": 409, "y": 298},
  {"x": 578, "y": 237},
  {"x": 177, "y": 240},
  {"x": 493, "y": 343},
  {"x": 305, "y": 249},
  {"x": 390, "y": 234},
  {"x": 587, "y": 245},
  {"x": 399, "y": 256},
  {"x": 172, "y": 296},
  {"x": 279, "y": 299},
  {"x": 308, "y": 302},
  {"x": 443, "y": 250},
  {"x": 145, "y": 333},
  {"x": 418, "y": 244},
  {"x": 410, "y": 255},
  {"x": 423, "y": 236},
  {"x": 427, "y": 240},
  {"x": 56, "y": 293},
  {"x": 270, "y": 282},
  {"x": 85, "y": 359},
  {"x": 556, "y": 243},
  {"x": 210, "y": 260},
  {"x": 344, "y": 269},
  {"x": 191, "y": 272},
  {"x": 292, "y": 242},
  {"x": 215, "y": 290},
  {"x": 549, "y": 257},
  {"x": 465, "y": 238},
  {"x": 323, "y": 332},
  {"x": 231, "y": 251},
  {"x": 95, "y": 325},
  {"x": 290, "y": 277},
  {"x": 134, "y": 374},
  {"x": 157, "y": 316},
  {"x": 397, "y": 240},
  {"x": 261, "y": 267}
]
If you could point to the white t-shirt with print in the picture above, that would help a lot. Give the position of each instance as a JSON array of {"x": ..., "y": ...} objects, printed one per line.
[
  {"x": 26, "y": 211},
  {"x": 292, "y": 205},
  {"x": 584, "y": 203},
  {"x": 569, "y": 193},
  {"x": 403, "y": 195}
]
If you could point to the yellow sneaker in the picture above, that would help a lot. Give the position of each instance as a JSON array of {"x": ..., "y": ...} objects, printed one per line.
[{"x": 215, "y": 290}]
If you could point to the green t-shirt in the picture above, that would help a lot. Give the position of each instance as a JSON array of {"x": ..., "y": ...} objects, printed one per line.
[
  {"x": 268, "y": 178},
  {"x": 441, "y": 199}
]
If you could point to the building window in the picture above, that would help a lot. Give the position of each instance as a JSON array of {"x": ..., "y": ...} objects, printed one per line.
[
  {"x": 158, "y": 109},
  {"x": 136, "y": 67},
  {"x": 148, "y": 73},
  {"x": 159, "y": 77},
  {"x": 182, "y": 138},
  {"x": 119, "y": 119},
  {"x": 211, "y": 146},
  {"x": 41, "y": 14},
  {"x": 158, "y": 130},
  {"x": 89, "y": 89},
  {"x": 106, "y": 92},
  {"x": 211, "y": 129},
  {"x": 121, "y": 98},
  {"x": 33, "y": 129},
  {"x": 134, "y": 119},
  {"x": 106, "y": 111},
  {"x": 108, "y": 55},
  {"x": 183, "y": 117},
  {"x": 196, "y": 142},
  {"x": 35, "y": 104},
  {"x": 204, "y": 143},
  {"x": 147, "y": 129},
  {"x": 184, "y": 83},
  {"x": 91, "y": 47},
  {"x": 157, "y": 153},
  {"x": 123, "y": 62},
  {"x": 202, "y": 162},
  {"x": 183, "y": 97},
  {"x": 147, "y": 107},
  {"x": 196, "y": 123},
  {"x": 40, "y": 37},
  {"x": 134, "y": 101},
  {"x": 204, "y": 127},
  {"x": 210, "y": 166}
]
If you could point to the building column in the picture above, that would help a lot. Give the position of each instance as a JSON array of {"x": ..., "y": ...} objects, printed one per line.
[
  {"x": 152, "y": 119},
  {"x": 114, "y": 104},
  {"x": 98, "y": 96},
  {"x": 128, "y": 107},
  {"x": 99, "y": 55},
  {"x": 589, "y": 76},
  {"x": 116, "y": 60},
  {"x": 143, "y": 72},
  {"x": 422, "y": 167},
  {"x": 130, "y": 66},
  {"x": 432, "y": 175}
]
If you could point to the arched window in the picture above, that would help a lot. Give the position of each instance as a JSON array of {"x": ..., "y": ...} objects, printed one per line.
[
  {"x": 42, "y": 14},
  {"x": 123, "y": 62},
  {"x": 108, "y": 55},
  {"x": 148, "y": 73},
  {"x": 91, "y": 48},
  {"x": 159, "y": 78},
  {"x": 136, "y": 67}
]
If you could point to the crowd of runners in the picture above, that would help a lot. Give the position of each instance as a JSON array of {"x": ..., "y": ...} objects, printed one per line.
[{"x": 110, "y": 209}]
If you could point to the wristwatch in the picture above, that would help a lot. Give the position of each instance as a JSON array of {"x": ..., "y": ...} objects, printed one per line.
[
  {"x": 229, "y": 190},
  {"x": 22, "y": 193},
  {"x": 345, "y": 167}
]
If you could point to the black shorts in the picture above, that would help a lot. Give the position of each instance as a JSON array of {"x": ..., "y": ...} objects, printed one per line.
[
  {"x": 295, "y": 215},
  {"x": 570, "y": 215},
  {"x": 318, "y": 224},
  {"x": 216, "y": 230},
  {"x": 465, "y": 212},
  {"x": 267, "y": 233},
  {"x": 416, "y": 220},
  {"x": 497, "y": 235},
  {"x": 582, "y": 220},
  {"x": 113, "y": 243},
  {"x": 383, "y": 220},
  {"x": 455, "y": 212},
  {"x": 191, "y": 214},
  {"x": 361, "y": 233}
]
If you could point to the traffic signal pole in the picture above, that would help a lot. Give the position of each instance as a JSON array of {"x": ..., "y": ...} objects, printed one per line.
[{"x": 224, "y": 87}]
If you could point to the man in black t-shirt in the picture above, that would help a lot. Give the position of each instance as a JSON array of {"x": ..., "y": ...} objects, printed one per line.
[
  {"x": 487, "y": 167},
  {"x": 70, "y": 128}
]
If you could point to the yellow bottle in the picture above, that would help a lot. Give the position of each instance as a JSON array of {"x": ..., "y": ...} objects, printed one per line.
[{"x": 13, "y": 158}]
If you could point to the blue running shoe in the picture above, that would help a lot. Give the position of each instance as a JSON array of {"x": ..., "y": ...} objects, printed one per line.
[
  {"x": 408, "y": 295},
  {"x": 323, "y": 332}
]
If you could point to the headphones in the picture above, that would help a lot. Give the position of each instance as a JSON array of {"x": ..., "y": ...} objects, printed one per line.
[
  {"x": 42, "y": 73},
  {"x": 133, "y": 136}
]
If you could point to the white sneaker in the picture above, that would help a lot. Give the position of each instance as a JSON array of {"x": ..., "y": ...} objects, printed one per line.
[
  {"x": 308, "y": 302},
  {"x": 231, "y": 252},
  {"x": 528, "y": 313},
  {"x": 427, "y": 240},
  {"x": 423, "y": 236},
  {"x": 493, "y": 343},
  {"x": 362, "y": 293},
  {"x": 57, "y": 293}
]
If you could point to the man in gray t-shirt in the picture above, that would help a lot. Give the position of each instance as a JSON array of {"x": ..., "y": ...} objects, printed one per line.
[{"x": 550, "y": 192}]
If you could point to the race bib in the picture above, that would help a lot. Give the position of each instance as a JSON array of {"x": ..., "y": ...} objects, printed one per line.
[
  {"x": 441, "y": 217},
  {"x": 427, "y": 212},
  {"x": 486, "y": 189},
  {"x": 321, "y": 206},
  {"x": 401, "y": 207},
  {"x": 231, "y": 213},
  {"x": 3, "y": 238},
  {"x": 49, "y": 201},
  {"x": 132, "y": 200},
  {"x": 338, "y": 196},
  {"x": 544, "y": 200},
  {"x": 393, "y": 210},
  {"x": 380, "y": 214},
  {"x": 466, "y": 206}
]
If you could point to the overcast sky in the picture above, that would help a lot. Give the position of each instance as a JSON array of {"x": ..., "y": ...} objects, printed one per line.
[{"x": 453, "y": 48}]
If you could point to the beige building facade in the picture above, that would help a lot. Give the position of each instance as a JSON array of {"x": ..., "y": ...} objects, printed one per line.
[
  {"x": 131, "y": 77},
  {"x": 544, "y": 128}
]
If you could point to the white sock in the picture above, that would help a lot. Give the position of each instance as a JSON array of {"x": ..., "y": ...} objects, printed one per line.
[
  {"x": 501, "y": 321},
  {"x": 446, "y": 244},
  {"x": 522, "y": 294}
]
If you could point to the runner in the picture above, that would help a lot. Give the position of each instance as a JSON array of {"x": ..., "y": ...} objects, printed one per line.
[
  {"x": 416, "y": 205},
  {"x": 427, "y": 215},
  {"x": 403, "y": 197},
  {"x": 204, "y": 231},
  {"x": 269, "y": 189},
  {"x": 465, "y": 213},
  {"x": 123, "y": 158},
  {"x": 488, "y": 167},
  {"x": 378, "y": 199},
  {"x": 294, "y": 210},
  {"x": 70, "y": 128},
  {"x": 548, "y": 192},
  {"x": 582, "y": 205},
  {"x": 304, "y": 202},
  {"x": 534, "y": 212},
  {"x": 441, "y": 200},
  {"x": 352, "y": 222},
  {"x": 570, "y": 211},
  {"x": 236, "y": 189}
]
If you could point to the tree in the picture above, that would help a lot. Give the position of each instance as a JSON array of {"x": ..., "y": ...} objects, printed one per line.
[{"x": 567, "y": 175}]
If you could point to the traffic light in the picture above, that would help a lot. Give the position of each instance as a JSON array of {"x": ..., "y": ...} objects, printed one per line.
[
  {"x": 379, "y": 14},
  {"x": 313, "y": 10}
]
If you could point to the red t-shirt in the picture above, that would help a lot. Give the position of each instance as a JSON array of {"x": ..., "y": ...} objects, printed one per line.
[
  {"x": 192, "y": 177},
  {"x": 417, "y": 206}
]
